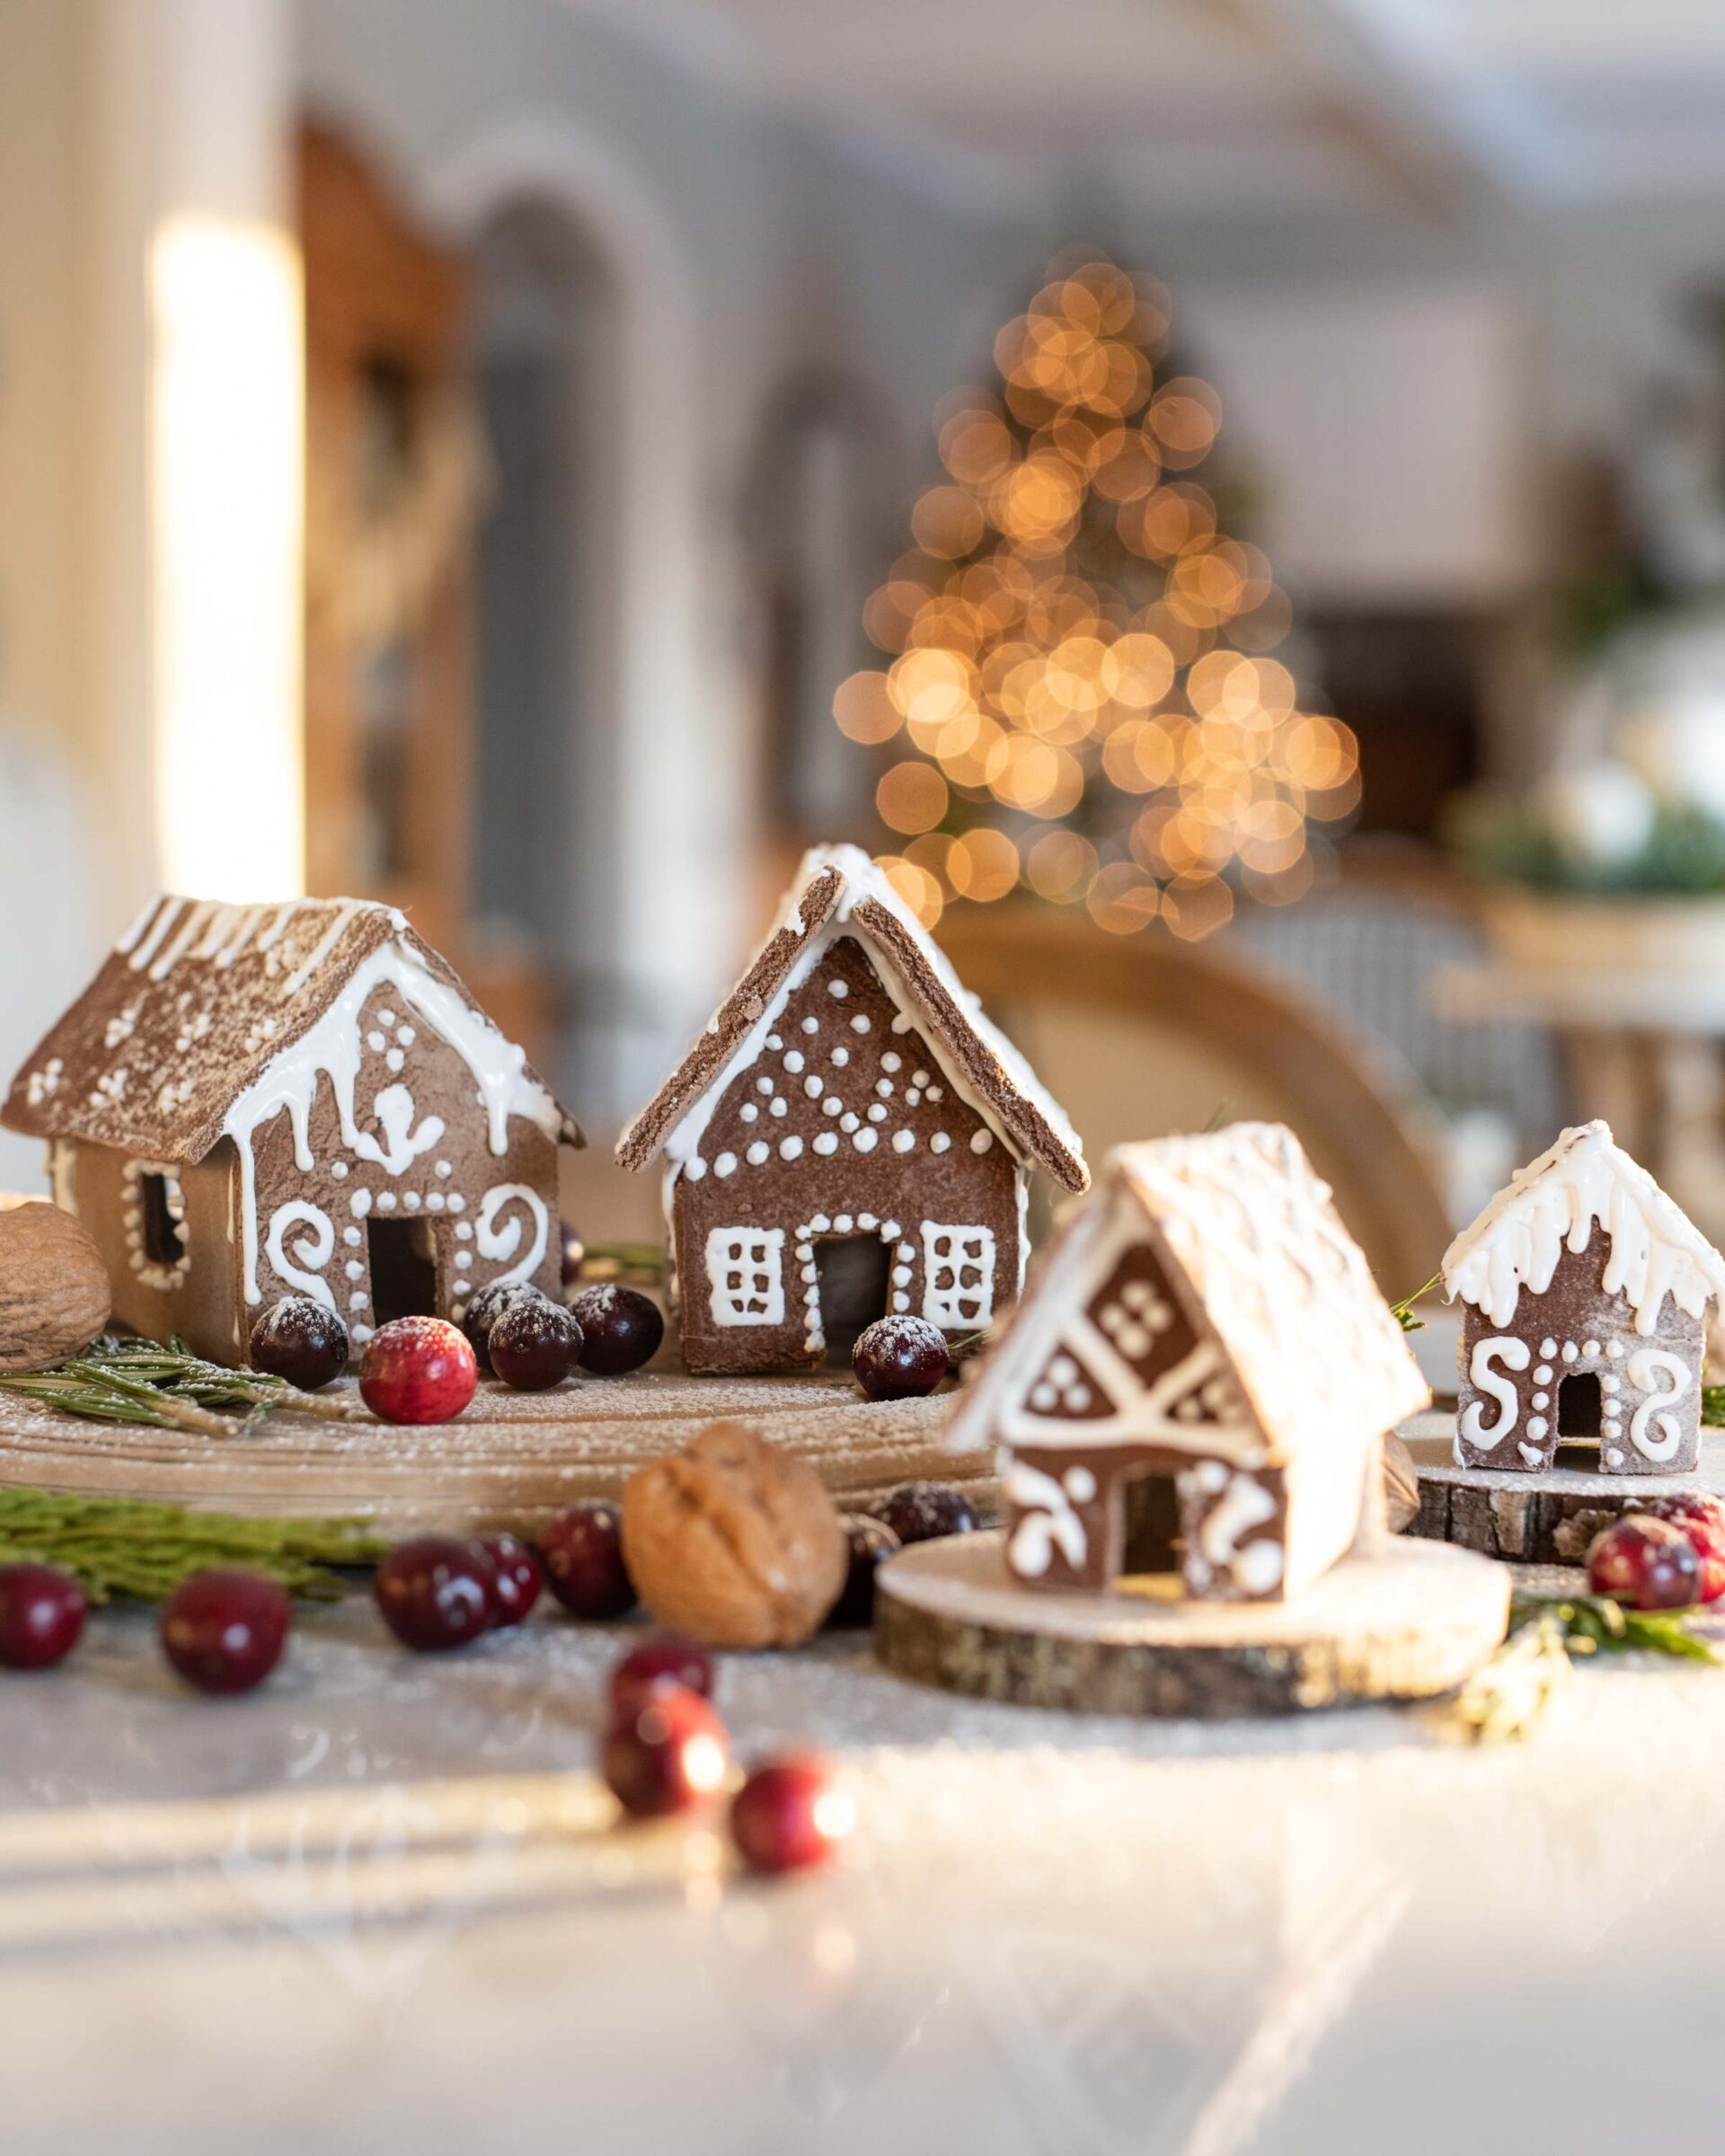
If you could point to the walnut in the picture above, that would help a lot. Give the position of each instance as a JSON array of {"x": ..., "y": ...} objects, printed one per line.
[
  {"x": 733, "y": 1540},
  {"x": 1400, "y": 1486},
  {"x": 54, "y": 1293}
]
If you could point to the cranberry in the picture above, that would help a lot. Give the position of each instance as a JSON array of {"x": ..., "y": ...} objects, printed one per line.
[
  {"x": 519, "y": 1580},
  {"x": 1700, "y": 1515},
  {"x": 872, "y": 1543},
  {"x": 42, "y": 1615},
  {"x": 301, "y": 1340},
  {"x": 788, "y": 1816},
  {"x": 417, "y": 1370},
  {"x": 1648, "y": 1563},
  {"x": 665, "y": 1756},
  {"x": 621, "y": 1328},
  {"x": 574, "y": 1254},
  {"x": 900, "y": 1358},
  {"x": 435, "y": 1592},
  {"x": 532, "y": 1343},
  {"x": 922, "y": 1512},
  {"x": 224, "y": 1631},
  {"x": 666, "y": 1663},
  {"x": 485, "y": 1309},
  {"x": 581, "y": 1552}
]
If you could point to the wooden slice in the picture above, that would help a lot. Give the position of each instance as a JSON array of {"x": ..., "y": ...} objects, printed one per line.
[
  {"x": 1534, "y": 1519},
  {"x": 512, "y": 1460},
  {"x": 1405, "y": 1623}
]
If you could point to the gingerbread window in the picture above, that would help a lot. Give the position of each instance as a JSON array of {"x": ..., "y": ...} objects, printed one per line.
[
  {"x": 746, "y": 1276},
  {"x": 958, "y": 1275}
]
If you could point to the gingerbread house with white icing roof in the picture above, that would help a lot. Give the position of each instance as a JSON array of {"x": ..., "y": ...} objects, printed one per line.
[
  {"x": 1586, "y": 1293},
  {"x": 849, "y": 1139},
  {"x": 255, "y": 1101},
  {"x": 1199, "y": 1378}
]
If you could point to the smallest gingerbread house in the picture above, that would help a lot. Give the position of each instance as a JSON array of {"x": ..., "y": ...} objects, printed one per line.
[{"x": 1585, "y": 1291}]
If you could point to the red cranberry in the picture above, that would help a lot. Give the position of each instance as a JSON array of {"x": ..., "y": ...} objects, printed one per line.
[
  {"x": 1700, "y": 1515},
  {"x": 435, "y": 1592},
  {"x": 900, "y": 1359},
  {"x": 224, "y": 1631},
  {"x": 872, "y": 1543},
  {"x": 485, "y": 1309},
  {"x": 621, "y": 1328},
  {"x": 666, "y": 1756},
  {"x": 574, "y": 1254},
  {"x": 922, "y": 1512},
  {"x": 666, "y": 1663},
  {"x": 1650, "y": 1564},
  {"x": 532, "y": 1343},
  {"x": 301, "y": 1340},
  {"x": 417, "y": 1370},
  {"x": 42, "y": 1615},
  {"x": 788, "y": 1816},
  {"x": 581, "y": 1552},
  {"x": 519, "y": 1580}
]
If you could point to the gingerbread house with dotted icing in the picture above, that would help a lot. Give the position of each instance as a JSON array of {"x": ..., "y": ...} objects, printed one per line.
[
  {"x": 850, "y": 1138},
  {"x": 1199, "y": 1378},
  {"x": 255, "y": 1101},
  {"x": 1586, "y": 1293}
]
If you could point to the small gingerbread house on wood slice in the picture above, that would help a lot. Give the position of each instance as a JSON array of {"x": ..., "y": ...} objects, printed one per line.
[
  {"x": 1200, "y": 1376},
  {"x": 1586, "y": 1292},
  {"x": 255, "y": 1101},
  {"x": 849, "y": 1139}
]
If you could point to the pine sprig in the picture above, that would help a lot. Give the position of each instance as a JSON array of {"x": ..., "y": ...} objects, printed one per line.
[
  {"x": 168, "y": 1387},
  {"x": 1712, "y": 1406},
  {"x": 1506, "y": 1697},
  {"x": 1402, "y": 1311},
  {"x": 1596, "y": 1624}
]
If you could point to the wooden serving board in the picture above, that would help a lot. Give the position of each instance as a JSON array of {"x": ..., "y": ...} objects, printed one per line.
[
  {"x": 511, "y": 1460},
  {"x": 1533, "y": 1519},
  {"x": 1408, "y": 1622}
]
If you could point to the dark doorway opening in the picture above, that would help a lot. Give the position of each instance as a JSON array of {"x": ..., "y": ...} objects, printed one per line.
[
  {"x": 164, "y": 1243},
  {"x": 1152, "y": 1540},
  {"x": 851, "y": 1273},
  {"x": 403, "y": 1257},
  {"x": 1579, "y": 1406}
]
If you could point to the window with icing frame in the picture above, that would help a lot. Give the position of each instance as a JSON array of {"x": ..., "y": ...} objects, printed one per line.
[
  {"x": 958, "y": 1275},
  {"x": 746, "y": 1276}
]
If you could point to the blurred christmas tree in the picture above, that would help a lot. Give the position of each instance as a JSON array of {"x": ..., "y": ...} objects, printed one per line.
[{"x": 1082, "y": 674}]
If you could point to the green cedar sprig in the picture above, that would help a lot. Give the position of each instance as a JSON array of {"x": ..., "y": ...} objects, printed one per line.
[
  {"x": 1507, "y": 1696},
  {"x": 1712, "y": 1406}
]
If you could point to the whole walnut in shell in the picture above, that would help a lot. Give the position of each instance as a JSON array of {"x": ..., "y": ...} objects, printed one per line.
[
  {"x": 54, "y": 1291},
  {"x": 733, "y": 1540}
]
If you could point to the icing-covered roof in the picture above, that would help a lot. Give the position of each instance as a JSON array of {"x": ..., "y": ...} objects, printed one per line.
[
  {"x": 839, "y": 891},
  {"x": 1554, "y": 1204},
  {"x": 199, "y": 999}
]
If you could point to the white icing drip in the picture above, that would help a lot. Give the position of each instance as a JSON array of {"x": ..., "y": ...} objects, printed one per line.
[
  {"x": 497, "y": 1245},
  {"x": 245, "y": 928},
  {"x": 309, "y": 966},
  {"x": 142, "y": 953},
  {"x": 278, "y": 928},
  {"x": 137, "y": 926}
]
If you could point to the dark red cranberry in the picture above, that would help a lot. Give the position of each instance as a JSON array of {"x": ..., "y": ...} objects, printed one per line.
[
  {"x": 900, "y": 1359},
  {"x": 789, "y": 1816},
  {"x": 1648, "y": 1563},
  {"x": 581, "y": 1553},
  {"x": 574, "y": 1254},
  {"x": 42, "y": 1612},
  {"x": 533, "y": 1344},
  {"x": 435, "y": 1592},
  {"x": 1700, "y": 1515},
  {"x": 666, "y": 1663},
  {"x": 871, "y": 1542},
  {"x": 621, "y": 1328},
  {"x": 666, "y": 1756},
  {"x": 519, "y": 1580},
  {"x": 922, "y": 1512},
  {"x": 224, "y": 1631},
  {"x": 301, "y": 1340},
  {"x": 485, "y": 1309},
  {"x": 417, "y": 1370}
]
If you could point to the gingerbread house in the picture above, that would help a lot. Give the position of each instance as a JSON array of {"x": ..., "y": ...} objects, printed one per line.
[
  {"x": 1199, "y": 1377},
  {"x": 1586, "y": 1293},
  {"x": 849, "y": 1138},
  {"x": 254, "y": 1101}
]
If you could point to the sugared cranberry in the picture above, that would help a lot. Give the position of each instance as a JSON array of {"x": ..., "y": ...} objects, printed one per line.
[
  {"x": 581, "y": 1553},
  {"x": 42, "y": 1612},
  {"x": 574, "y": 1254},
  {"x": 533, "y": 1344},
  {"x": 900, "y": 1359},
  {"x": 922, "y": 1512},
  {"x": 224, "y": 1631},
  {"x": 519, "y": 1580},
  {"x": 1700, "y": 1515},
  {"x": 666, "y": 1663},
  {"x": 486, "y": 1308},
  {"x": 871, "y": 1542},
  {"x": 417, "y": 1370},
  {"x": 1650, "y": 1564},
  {"x": 621, "y": 1328},
  {"x": 301, "y": 1340},
  {"x": 788, "y": 1815},
  {"x": 666, "y": 1756},
  {"x": 435, "y": 1592}
]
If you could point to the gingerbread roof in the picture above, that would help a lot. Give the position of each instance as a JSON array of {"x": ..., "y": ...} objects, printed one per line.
[
  {"x": 839, "y": 891},
  {"x": 1554, "y": 1204},
  {"x": 1266, "y": 1265},
  {"x": 199, "y": 999}
]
